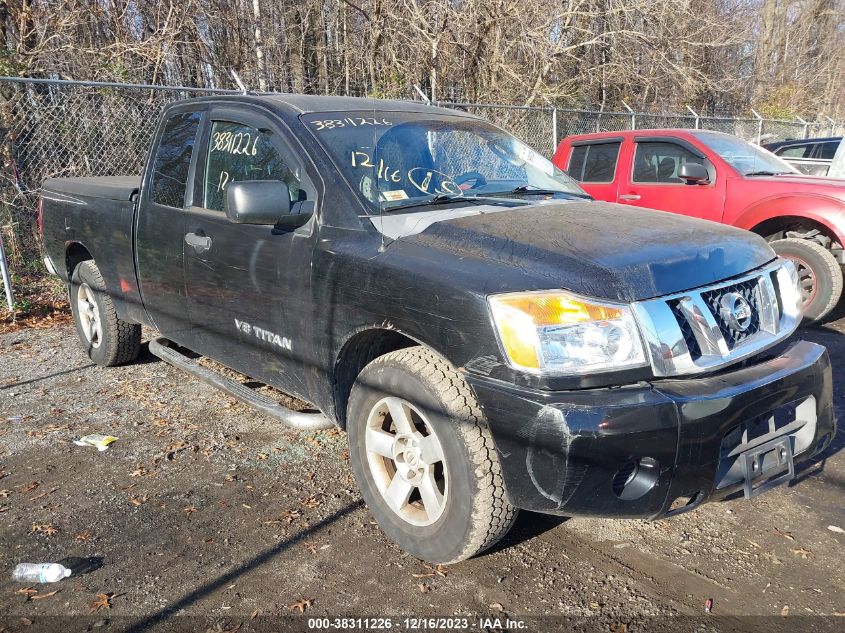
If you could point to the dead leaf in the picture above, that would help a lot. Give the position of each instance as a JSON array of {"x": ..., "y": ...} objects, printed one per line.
[
  {"x": 84, "y": 536},
  {"x": 29, "y": 488},
  {"x": 41, "y": 596},
  {"x": 137, "y": 501},
  {"x": 496, "y": 607},
  {"x": 803, "y": 553},
  {"x": 189, "y": 510},
  {"x": 262, "y": 456},
  {"x": 27, "y": 591},
  {"x": 48, "y": 529},
  {"x": 301, "y": 604},
  {"x": 311, "y": 502},
  {"x": 103, "y": 601},
  {"x": 757, "y": 545},
  {"x": 5, "y": 493},
  {"x": 424, "y": 588},
  {"x": 139, "y": 471},
  {"x": 619, "y": 627},
  {"x": 255, "y": 614},
  {"x": 785, "y": 611},
  {"x": 311, "y": 546},
  {"x": 26, "y": 621},
  {"x": 594, "y": 605},
  {"x": 787, "y": 535}
]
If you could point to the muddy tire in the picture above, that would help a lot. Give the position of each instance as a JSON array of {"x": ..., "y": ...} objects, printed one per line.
[
  {"x": 107, "y": 339},
  {"x": 819, "y": 275},
  {"x": 424, "y": 458}
]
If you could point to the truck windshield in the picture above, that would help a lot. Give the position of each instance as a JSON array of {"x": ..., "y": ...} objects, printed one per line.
[
  {"x": 747, "y": 159},
  {"x": 401, "y": 160}
]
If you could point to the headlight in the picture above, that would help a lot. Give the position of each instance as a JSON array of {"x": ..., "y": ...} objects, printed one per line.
[
  {"x": 560, "y": 333},
  {"x": 789, "y": 289}
]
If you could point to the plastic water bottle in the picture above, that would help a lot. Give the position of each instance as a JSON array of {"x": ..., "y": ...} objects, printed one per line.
[{"x": 40, "y": 572}]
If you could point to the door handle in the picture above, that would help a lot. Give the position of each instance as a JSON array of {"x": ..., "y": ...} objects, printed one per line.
[
  {"x": 629, "y": 196},
  {"x": 200, "y": 243}
]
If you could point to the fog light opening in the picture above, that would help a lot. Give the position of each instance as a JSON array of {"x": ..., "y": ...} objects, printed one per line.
[{"x": 635, "y": 478}]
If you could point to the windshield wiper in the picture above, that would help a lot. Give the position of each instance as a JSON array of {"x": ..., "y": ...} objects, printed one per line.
[
  {"x": 766, "y": 173},
  {"x": 442, "y": 198},
  {"x": 531, "y": 190}
]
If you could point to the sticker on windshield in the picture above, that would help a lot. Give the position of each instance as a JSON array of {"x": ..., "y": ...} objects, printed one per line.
[
  {"x": 534, "y": 159},
  {"x": 393, "y": 196}
]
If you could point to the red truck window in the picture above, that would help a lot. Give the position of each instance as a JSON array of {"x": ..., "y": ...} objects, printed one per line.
[
  {"x": 660, "y": 162},
  {"x": 594, "y": 162},
  {"x": 173, "y": 159}
]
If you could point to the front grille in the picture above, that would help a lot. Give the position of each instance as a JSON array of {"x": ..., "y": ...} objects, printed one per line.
[
  {"x": 686, "y": 329},
  {"x": 696, "y": 331},
  {"x": 748, "y": 291}
]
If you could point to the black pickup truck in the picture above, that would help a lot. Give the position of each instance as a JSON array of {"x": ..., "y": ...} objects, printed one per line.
[{"x": 489, "y": 337}]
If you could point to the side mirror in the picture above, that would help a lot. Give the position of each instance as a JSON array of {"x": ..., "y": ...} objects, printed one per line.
[
  {"x": 693, "y": 173},
  {"x": 257, "y": 201}
]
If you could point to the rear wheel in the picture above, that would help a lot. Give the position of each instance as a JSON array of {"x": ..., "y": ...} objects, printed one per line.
[
  {"x": 424, "y": 459},
  {"x": 107, "y": 339},
  {"x": 819, "y": 275}
]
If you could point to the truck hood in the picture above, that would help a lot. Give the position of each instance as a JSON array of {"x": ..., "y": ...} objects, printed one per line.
[
  {"x": 799, "y": 183},
  {"x": 596, "y": 249}
]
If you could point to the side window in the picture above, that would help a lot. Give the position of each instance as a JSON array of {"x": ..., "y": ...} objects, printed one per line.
[
  {"x": 239, "y": 152},
  {"x": 827, "y": 150},
  {"x": 660, "y": 162},
  {"x": 173, "y": 159},
  {"x": 796, "y": 151},
  {"x": 595, "y": 162}
]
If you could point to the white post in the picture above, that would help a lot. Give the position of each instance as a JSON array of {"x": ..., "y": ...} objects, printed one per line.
[
  {"x": 633, "y": 116},
  {"x": 805, "y": 124},
  {"x": 554, "y": 130},
  {"x": 422, "y": 94},
  {"x": 697, "y": 118},
  {"x": 759, "y": 126},
  {"x": 7, "y": 281}
]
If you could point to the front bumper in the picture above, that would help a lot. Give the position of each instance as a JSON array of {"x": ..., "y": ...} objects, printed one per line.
[{"x": 573, "y": 453}]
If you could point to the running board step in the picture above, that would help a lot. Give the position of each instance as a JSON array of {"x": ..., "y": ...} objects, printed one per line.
[{"x": 161, "y": 347}]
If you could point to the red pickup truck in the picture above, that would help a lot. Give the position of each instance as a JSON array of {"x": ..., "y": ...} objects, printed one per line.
[{"x": 722, "y": 178}]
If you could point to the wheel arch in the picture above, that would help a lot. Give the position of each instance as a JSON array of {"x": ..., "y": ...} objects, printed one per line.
[
  {"x": 800, "y": 211},
  {"x": 360, "y": 349},
  {"x": 75, "y": 254}
]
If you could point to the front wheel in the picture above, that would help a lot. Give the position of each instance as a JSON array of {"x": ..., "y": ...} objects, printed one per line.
[
  {"x": 819, "y": 275},
  {"x": 424, "y": 459}
]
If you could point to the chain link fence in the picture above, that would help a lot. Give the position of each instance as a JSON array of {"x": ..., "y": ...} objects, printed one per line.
[
  {"x": 544, "y": 128},
  {"x": 65, "y": 128}
]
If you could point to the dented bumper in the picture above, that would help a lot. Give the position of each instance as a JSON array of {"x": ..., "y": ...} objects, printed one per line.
[{"x": 649, "y": 450}]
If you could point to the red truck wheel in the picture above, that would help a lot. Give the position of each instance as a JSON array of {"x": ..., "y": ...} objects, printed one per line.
[{"x": 819, "y": 275}]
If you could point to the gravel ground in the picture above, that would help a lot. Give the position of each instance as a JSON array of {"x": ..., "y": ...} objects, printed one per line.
[{"x": 206, "y": 516}]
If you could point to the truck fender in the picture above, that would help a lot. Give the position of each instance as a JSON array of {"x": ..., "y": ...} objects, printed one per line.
[
  {"x": 361, "y": 346},
  {"x": 823, "y": 210}
]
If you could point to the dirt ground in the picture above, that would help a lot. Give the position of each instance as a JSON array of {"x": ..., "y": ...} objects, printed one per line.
[{"x": 206, "y": 516}]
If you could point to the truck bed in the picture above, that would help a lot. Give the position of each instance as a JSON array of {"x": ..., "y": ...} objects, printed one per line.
[
  {"x": 107, "y": 187},
  {"x": 96, "y": 216}
]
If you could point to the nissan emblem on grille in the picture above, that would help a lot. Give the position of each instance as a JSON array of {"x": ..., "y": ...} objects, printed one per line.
[{"x": 736, "y": 311}]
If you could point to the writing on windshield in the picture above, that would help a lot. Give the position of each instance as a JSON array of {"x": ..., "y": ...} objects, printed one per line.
[{"x": 396, "y": 157}]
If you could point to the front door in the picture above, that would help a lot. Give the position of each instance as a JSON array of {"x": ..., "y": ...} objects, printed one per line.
[
  {"x": 652, "y": 180},
  {"x": 246, "y": 283},
  {"x": 159, "y": 230}
]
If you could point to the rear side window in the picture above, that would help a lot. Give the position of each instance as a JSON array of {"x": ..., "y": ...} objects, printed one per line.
[
  {"x": 595, "y": 162},
  {"x": 173, "y": 159},
  {"x": 795, "y": 151},
  {"x": 827, "y": 150}
]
